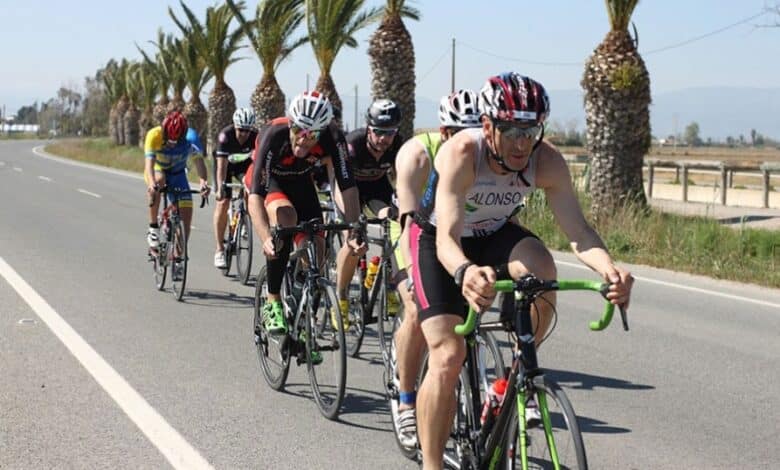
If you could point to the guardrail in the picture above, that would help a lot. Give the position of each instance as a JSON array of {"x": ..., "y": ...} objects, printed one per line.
[
  {"x": 726, "y": 174},
  {"x": 726, "y": 170}
]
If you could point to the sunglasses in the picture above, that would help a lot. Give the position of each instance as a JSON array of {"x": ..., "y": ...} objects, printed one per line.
[
  {"x": 511, "y": 131},
  {"x": 308, "y": 134},
  {"x": 379, "y": 132},
  {"x": 243, "y": 131}
]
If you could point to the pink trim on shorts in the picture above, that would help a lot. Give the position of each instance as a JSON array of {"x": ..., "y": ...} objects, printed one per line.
[{"x": 414, "y": 243}]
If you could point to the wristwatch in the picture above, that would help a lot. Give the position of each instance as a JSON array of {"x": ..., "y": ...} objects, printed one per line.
[{"x": 460, "y": 272}]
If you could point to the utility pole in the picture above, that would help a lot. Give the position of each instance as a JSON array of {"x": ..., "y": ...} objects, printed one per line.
[
  {"x": 356, "y": 107},
  {"x": 452, "y": 87},
  {"x": 674, "y": 149}
]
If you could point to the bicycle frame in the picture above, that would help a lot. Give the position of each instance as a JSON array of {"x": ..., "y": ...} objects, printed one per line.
[{"x": 524, "y": 372}]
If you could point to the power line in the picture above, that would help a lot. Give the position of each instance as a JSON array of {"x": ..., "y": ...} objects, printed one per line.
[
  {"x": 579, "y": 64},
  {"x": 446, "y": 52},
  {"x": 711, "y": 33},
  {"x": 514, "y": 59}
]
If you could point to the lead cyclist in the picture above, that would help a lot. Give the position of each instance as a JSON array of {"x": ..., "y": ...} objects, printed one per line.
[{"x": 234, "y": 148}]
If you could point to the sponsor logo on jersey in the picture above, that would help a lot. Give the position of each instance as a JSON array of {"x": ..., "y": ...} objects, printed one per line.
[{"x": 492, "y": 198}]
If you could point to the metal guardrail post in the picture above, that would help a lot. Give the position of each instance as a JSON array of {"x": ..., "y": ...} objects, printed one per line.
[
  {"x": 724, "y": 183},
  {"x": 765, "y": 173},
  {"x": 684, "y": 182},
  {"x": 650, "y": 176}
]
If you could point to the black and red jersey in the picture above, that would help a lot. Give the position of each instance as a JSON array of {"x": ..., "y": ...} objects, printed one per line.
[{"x": 364, "y": 165}]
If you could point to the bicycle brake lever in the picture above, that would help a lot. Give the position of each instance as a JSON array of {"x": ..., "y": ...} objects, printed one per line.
[{"x": 623, "y": 317}]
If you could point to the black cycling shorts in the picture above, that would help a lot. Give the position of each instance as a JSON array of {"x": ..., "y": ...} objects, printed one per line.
[
  {"x": 237, "y": 171},
  {"x": 434, "y": 289},
  {"x": 375, "y": 194},
  {"x": 301, "y": 194}
]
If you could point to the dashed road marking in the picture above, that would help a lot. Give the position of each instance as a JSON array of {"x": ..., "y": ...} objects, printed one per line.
[{"x": 89, "y": 193}]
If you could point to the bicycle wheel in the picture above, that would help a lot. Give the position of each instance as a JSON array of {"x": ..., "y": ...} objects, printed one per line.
[
  {"x": 562, "y": 429},
  {"x": 160, "y": 266},
  {"x": 244, "y": 248},
  {"x": 272, "y": 351},
  {"x": 179, "y": 256},
  {"x": 392, "y": 387},
  {"x": 357, "y": 329},
  {"x": 229, "y": 250},
  {"x": 328, "y": 377},
  {"x": 384, "y": 321}
]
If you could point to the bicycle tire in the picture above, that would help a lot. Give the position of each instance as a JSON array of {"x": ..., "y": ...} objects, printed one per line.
[
  {"x": 272, "y": 352},
  {"x": 179, "y": 244},
  {"x": 384, "y": 321},
  {"x": 357, "y": 328},
  {"x": 244, "y": 248},
  {"x": 392, "y": 393},
  {"x": 328, "y": 379},
  {"x": 565, "y": 430},
  {"x": 159, "y": 266}
]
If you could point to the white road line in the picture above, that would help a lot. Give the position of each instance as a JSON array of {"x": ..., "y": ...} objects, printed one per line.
[
  {"x": 88, "y": 193},
  {"x": 179, "y": 453},
  {"x": 16, "y": 168},
  {"x": 39, "y": 151},
  {"x": 44, "y": 178},
  {"x": 684, "y": 287}
]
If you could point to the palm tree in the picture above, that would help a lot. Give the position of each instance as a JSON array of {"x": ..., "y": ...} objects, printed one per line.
[
  {"x": 163, "y": 73},
  {"x": 122, "y": 104},
  {"x": 617, "y": 99},
  {"x": 270, "y": 35},
  {"x": 112, "y": 86},
  {"x": 216, "y": 45},
  {"x": 147, "y": 78},
  {"x": 132, "y": 115},
  {"x": 331, "y": 25},
  {"x": 391, "y": 54},
  {"x": 196, "y": 75}
]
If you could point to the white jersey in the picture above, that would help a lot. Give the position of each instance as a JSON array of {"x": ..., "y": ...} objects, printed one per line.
[{"x": 493, "y": 198}]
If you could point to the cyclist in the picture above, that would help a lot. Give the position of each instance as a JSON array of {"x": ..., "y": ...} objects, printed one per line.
[
  {"x": 234, "y": 147},
  {"x": 283, "y": 191},
  {"x": 167, "y": 148},
  {"x": 457, "y": 111},
  {"x": 372, "y": 151},
  {"x": 466, "y": 225}
]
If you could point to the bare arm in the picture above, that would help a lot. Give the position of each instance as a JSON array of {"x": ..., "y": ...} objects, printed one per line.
[
  {"x": 554, "y": 177},
  {"x": 455, "y": 166},
  {"x": 412, "y": 166}
]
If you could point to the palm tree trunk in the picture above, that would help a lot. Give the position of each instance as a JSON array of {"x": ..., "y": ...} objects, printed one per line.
[
  {"x": 222, "y": 105},
  {"x": 268, "y": 99},
  {"x": 326, "y": 86}
]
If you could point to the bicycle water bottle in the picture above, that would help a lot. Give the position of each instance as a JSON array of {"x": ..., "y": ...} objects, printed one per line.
[
  {"x": 371, "y": 271},
  {"x": 494, "y": 399}
]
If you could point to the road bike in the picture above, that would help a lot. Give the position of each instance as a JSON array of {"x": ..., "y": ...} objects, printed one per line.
[
  {"x": 238, "y": 235},
  {"x": 172, "y": 248},
  {"x": 307, "y": 297},
  {"x": 513, "y": 435}
]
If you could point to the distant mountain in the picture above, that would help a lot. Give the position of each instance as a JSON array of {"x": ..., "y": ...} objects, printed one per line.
[{"x": 719, "y": 111}]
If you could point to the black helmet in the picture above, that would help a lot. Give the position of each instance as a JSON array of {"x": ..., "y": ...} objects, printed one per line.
[{"x": 383, "y": 113}]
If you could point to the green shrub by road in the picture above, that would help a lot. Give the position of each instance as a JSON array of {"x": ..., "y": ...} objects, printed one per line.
[{"x": 696, "y": 245}]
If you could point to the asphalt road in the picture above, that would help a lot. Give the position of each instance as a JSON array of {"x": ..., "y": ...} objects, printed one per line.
[{"x": 98, "y": 369}]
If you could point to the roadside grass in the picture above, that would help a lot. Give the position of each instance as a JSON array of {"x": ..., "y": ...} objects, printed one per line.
[
  {"x": 18, "y": 135},
  {"x": 697, "y": 245},
  {"x": 99, "y": 151}
]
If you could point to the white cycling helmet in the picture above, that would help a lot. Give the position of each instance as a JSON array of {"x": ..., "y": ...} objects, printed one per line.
[
  {"x": 310, "y": 110},
  {"x": 459, "y": 109},
  {"x": 244, "y": 118}
]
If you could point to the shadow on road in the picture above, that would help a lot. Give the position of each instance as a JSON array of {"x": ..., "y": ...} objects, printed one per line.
[
  {"x": 582, "y": 381},
  {"x": 221, "y": 299}
]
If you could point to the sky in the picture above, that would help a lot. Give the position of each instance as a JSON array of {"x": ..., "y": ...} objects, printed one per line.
[{"x": 46, "y": 45}]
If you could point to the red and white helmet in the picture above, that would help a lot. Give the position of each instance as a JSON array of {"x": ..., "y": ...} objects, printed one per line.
[
  {"x": 459, "y": 109},
  {"x": 514, "y": 97},
  {"x": 174, "y": 126},
  {"x": 310, "y": 110}
]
